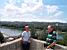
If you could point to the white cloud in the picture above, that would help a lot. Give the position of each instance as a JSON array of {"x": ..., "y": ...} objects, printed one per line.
[
  {"x": 51, "y": 8},
  {"x": 30, "y": 10}
]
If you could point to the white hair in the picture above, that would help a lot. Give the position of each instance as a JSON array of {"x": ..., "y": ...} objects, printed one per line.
[
  {"x": 49, "y": 26},
  {"x": 26, "y": 26}
]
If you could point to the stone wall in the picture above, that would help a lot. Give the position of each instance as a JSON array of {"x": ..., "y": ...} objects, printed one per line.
[
  {"x": 35, "y": 45},
  {"x": 13, "y": 45},
  {"x": 16, "y": 45}
]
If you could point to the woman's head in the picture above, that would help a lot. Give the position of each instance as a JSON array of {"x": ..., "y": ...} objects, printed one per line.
[{"x": 50, "y": 28}]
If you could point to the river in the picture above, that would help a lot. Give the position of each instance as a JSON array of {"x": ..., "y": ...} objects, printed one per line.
[{"x": 10, "y": 32}]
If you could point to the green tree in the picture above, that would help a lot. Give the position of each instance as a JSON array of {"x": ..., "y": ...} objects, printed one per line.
[
  {"x": 33, "y": 31},
  {"x": 44, "y": 33},
  {"x": 65, "y": 39}
]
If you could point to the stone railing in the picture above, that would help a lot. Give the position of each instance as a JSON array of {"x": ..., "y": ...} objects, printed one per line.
[
  {"x": 35, "y": 45},
  {"x": 12, "y": 45},
  {"x": 39, "y": 45}
]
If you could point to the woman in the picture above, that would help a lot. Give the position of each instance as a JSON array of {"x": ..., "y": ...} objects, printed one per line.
[{"x": 51, "y": 38}]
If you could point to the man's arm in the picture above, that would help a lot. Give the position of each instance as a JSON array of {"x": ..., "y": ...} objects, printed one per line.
[
  {"x": 30, "y": 37},
  {"x": 22, "y": 35}
]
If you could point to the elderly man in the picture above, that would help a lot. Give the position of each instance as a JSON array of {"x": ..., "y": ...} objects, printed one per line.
[
  {"x": 51, "y": 38},
  {"x": 26, "y": 38}
]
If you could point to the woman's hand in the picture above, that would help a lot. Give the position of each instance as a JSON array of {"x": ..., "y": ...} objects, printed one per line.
[
  {"x": 51, "y": 45},
  {"x": 48, "y": 47}
]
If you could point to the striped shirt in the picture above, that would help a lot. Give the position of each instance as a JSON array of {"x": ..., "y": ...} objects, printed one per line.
[{"x": 51, "y": 37}]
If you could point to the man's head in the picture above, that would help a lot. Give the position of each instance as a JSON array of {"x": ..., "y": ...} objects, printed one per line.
[
  {"x": 27, "y": 28},
  {"x": 50, "y": 28}
]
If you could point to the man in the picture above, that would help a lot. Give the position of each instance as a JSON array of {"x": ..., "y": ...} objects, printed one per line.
[
  {"x": 26, "y": 38},
  {"x": 51, "y": 38}
]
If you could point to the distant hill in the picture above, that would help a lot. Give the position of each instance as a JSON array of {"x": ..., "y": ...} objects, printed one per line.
[
  {"x": 36, "y": 24},
  {"x": 33, "y": 23}
]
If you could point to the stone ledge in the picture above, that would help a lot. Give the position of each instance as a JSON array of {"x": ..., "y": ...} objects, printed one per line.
[
  {"x": 35, "y": 45},
  {"x": 11, "y": 42}
]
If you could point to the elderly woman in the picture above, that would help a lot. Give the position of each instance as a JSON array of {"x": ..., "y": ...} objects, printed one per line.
[{"x": 51, "y": 38}]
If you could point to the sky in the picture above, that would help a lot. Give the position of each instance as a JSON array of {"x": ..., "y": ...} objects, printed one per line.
[{"x": 33, "y": 10}]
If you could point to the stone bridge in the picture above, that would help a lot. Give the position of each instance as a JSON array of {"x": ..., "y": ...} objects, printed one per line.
[{"x": 35, "y": 45}]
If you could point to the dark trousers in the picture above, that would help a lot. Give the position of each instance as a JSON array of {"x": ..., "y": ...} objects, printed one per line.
[{"x": 26, "y": 45}]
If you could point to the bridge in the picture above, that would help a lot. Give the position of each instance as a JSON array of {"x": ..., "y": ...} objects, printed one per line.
[{"x": 35, "y": 45}]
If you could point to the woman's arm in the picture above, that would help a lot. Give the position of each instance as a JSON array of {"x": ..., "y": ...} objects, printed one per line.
[
  {"x": 54, "y": 40},
  {"x": 51, "y": 45}
]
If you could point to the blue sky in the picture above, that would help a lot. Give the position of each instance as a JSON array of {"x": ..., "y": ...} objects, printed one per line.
[
  {"x": 56, "y": 2},
  {"x": 33, "y": 10},
  {"x": 62, "y": 4}
]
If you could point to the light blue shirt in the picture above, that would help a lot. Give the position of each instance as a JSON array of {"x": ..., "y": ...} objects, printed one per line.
[{"x": 26, "y": 35}]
